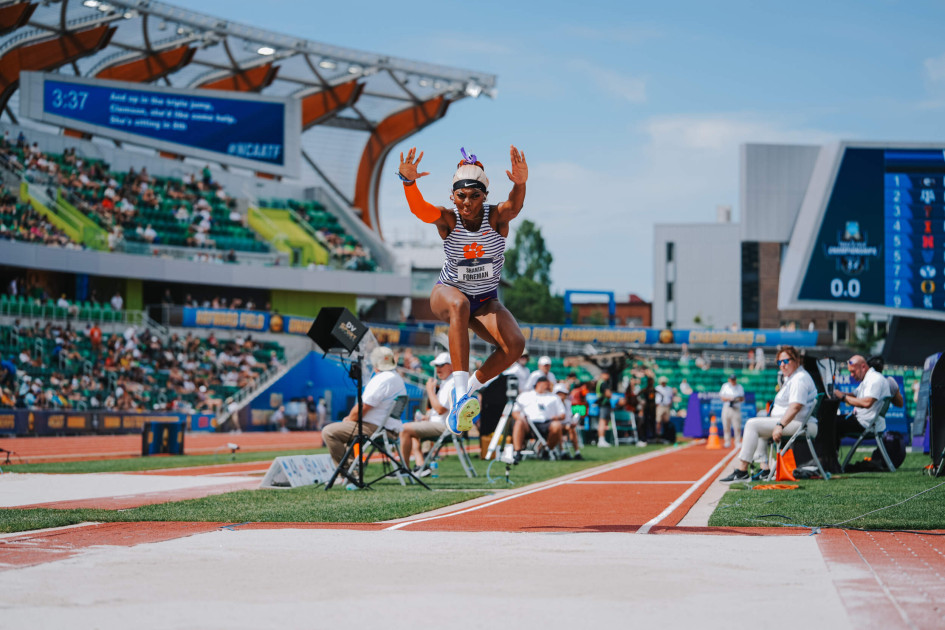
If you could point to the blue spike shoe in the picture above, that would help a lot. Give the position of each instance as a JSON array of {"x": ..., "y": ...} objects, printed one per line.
[{"x": 464, "y": 413}]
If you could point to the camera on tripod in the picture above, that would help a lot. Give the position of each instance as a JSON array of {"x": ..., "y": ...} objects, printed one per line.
[{"x": 511, "y": 387}]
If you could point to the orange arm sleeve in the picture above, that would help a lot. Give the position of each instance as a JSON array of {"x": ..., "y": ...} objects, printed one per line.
[{"x": 424, "y": 210}]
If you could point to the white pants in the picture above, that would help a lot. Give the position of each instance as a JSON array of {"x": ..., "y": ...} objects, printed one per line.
[
  {"x": 731, "y": 423},
  {"x": 758, "y": 434}
]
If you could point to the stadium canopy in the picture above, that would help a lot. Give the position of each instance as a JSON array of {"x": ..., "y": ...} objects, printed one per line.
[{"x": 356, "y": 105}]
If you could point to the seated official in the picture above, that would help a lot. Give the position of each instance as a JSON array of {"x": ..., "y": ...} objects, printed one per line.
[
  {"x": 866, "y": 400},
  {"x": 878, "y": 364},
  {"x": 434, "y": 425},
  {"x": 544, "y": 409},
  {"x": 378, "y": 400},
  {"x": 570, "y": 422},
  {"x": 792, "y": 405}
]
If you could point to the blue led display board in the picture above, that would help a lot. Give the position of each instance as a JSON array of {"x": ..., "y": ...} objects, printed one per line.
[
  {"x": 874, "y": 239},
  {"x": 261, "y": 133}
]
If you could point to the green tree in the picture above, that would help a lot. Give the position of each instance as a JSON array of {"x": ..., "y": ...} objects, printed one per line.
[
  {"x": 533, "y": 302},
  {"x": 528, "y": 257},
  {"x": 865, "y": 338},
  {"x": 528, "y": 269}
]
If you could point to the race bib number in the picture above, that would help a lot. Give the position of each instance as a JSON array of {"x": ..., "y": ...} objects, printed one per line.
[{"x": 474, "y": 269}]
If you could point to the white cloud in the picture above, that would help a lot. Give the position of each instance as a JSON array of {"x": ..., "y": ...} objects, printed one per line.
[
  {"x": 622, "y": 34},
  {"x": 935, "y": 69},
  {"x": 629, "y": 88},
  {"x": 598, "y": 220}
]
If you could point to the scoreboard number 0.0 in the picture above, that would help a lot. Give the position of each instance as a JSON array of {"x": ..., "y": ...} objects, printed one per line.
[{"x": 851, "y": 289}]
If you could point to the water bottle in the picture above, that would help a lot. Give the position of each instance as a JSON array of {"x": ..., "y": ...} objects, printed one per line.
[{"x": 435, "y": 469}]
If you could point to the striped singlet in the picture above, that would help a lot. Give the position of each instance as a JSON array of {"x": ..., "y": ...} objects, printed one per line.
[{"x": 473, "y": 259}]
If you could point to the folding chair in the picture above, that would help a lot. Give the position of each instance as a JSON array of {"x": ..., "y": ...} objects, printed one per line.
[
  {"x": 387, "y": 444},
  {"x": 802, "y": 432},
  {"x": 876, "y": 431},
  {"x": 459, "y": 442},
  {"x": 624, "y": 421}
]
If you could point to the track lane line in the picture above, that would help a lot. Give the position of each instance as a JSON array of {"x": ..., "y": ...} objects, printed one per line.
[
  {"x": 548, "y": 485},
  {"x": 685, "y": 495}
]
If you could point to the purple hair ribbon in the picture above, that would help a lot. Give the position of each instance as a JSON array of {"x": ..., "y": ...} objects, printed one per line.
[{"x": 468, "y": 159}]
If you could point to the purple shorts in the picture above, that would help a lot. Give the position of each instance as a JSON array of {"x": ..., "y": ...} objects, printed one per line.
[{"x": 477, "y": 301}]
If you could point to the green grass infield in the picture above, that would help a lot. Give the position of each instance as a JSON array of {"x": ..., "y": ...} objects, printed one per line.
[
  {"x": 385, "y": 501},
  {"x": 850, "y": 501}
]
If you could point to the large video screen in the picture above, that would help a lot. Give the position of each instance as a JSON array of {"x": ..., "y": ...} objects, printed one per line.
[
  {"x": 261, "y": 133},
  {"x": 880, "y": 243}
]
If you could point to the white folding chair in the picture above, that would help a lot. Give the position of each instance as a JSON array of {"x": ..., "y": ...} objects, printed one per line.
[
  {"x": 786, "y": 445},
  {"x": 459, "y": 442},
  {"x": 873, "y": 431}
]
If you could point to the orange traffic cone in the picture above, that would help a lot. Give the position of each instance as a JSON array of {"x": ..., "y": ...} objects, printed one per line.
[{"x": 714, "y": 442}]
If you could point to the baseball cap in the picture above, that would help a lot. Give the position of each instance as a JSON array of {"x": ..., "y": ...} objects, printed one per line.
[
  {"x": 441, "y": 359},
  {"x": 663, "y": 379},
  {"x": 732, "y": 377},
  {"x": 546, "y": 360},
  {"x": 561, "y": 388}
]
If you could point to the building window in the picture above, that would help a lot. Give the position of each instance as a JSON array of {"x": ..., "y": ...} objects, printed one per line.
[
  {"x": 751, "y": 303},
  {"x": 841, "y": 331},
  {"x": 670, "y": 250}
]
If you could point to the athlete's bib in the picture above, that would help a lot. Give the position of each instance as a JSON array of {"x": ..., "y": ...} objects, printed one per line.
[{"x": 474, "y": 269}]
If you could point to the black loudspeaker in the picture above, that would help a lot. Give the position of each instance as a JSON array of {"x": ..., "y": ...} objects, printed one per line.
[{"x": 336, "y": 327}]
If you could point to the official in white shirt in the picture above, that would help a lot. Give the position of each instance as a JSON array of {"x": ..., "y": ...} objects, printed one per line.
[
  {"x": 520, "y": 371},
  {"x": 866, "y": 400},
  {"x": 546, "y": 412},
  {"x": 544, "y": 370},
  {"x": 378, "y": 400},
  {"x": 792, "y": 405},
  {"x": 732, "y": 395},
  {"x": 433, "y": 426}
]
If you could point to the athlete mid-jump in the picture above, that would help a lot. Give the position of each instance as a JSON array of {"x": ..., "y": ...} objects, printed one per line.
[{"x": 466, "y": 294}]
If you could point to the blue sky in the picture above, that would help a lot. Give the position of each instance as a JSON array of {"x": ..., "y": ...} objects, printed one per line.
[{"x": 631, "y": 114}]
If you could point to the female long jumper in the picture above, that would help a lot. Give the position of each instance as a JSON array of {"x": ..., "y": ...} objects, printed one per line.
[{"x": 466, "y": 294}]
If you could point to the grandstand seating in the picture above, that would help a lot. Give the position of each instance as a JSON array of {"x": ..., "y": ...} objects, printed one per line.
[
  {"x": 58, "y": 367},
  {"x": 344, "y": 248}
]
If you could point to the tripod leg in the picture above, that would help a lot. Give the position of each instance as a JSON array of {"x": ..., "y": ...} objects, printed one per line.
[{"x": 342, "y": 469}]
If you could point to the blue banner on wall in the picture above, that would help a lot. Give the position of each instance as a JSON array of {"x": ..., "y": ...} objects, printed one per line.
[{"x": 703, "y": 405}]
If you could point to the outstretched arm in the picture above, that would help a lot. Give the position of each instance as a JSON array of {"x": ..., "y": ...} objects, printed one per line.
[
  {"x": 508, "y": 210},
  {"x": 424, "y": 210}
]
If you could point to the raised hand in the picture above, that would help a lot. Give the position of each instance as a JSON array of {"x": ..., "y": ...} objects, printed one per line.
[
  {"x": 408, "y": 167},
  {"x": 519, "y": 172}
]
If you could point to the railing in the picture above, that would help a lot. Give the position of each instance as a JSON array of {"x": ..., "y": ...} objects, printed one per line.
[
  {"x": 233, "y": 404},
  {"x": 191, "y": 253}
]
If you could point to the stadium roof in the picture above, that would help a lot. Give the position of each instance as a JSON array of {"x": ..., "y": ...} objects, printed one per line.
[{"x": 356, "y": 105}]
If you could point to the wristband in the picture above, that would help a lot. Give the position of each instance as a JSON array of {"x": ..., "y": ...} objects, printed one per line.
[{"x": 406, "y": 181}]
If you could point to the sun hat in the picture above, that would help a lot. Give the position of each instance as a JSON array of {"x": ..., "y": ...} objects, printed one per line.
[{"x": 383, "y": 359}]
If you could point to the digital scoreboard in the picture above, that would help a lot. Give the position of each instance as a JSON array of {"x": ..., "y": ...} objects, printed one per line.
[
  {"x": 870, "y": 235},
  {"x": 248, "y": 130}
]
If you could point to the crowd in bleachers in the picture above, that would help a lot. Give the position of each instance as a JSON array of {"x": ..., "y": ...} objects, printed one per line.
[
  {"x": 345, "y": 250},
  {"x": 20, "y": 222},
  {"x": 55, "y": 366},
  {"x": 192, "y": 211}
]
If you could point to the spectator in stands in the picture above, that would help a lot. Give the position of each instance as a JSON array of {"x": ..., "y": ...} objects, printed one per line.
[
  {"x": 277, "y": 419},
  {"x": 866, "y": 400},
  {"x": 378, "y": 400},
  {"x": 544, "y": 370},
  {"x": 792, "y": 405},
  {"x": 759, "y": 358},
  {"x": 7, "y": 372},
  {"x": 570, "y": 422},
  {"x": 647, "y": 426},
  {"x": 732, "y": 395},
  {"x": 539, "y": 408},
  {"x": 519, "y": 370},
  {"x": 665, "y": 396},
  {"x": 117, "y": 302},
  {"x": 605, "y": 415},
  {"x": 438, "y": 392},
  {"x": 878, "y": 364}
]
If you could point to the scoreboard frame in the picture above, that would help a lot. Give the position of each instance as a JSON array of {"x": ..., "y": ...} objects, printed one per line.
[{"x": 800, "y": 253}]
